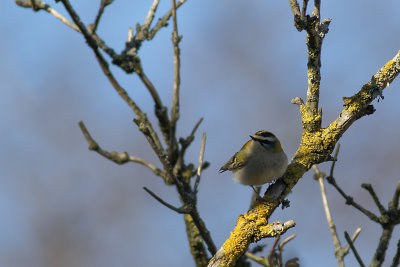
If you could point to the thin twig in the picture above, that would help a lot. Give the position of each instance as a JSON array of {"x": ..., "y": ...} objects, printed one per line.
[
  {"x": 203, "y": 231},
  {"x": 180, "y": 210},
  {"x": 150, "y": 16},
  {"x": 304, "y": 9},
  {"x": 284, "y": 242},
  {"x": 335, "y": 238},
  {"x": 350, "y": 201},
  {"x": 43, "y": 6},
  {"x": 260, "y": 260},
  {"x": 195, "y": 127},
  {"x": 151, "y": 88},
  {"x": 348, "y": 239},
  {"x": 119, "y": 158},
  {"x": 177, "y": 65},
  {"x": 393, "y": 205},
  {"x": 334, "y": 159},
  {"x": 162, "y": 22},
  {"x": 317, "y": 9},
  {"x": 103, "y": 4},
  {"x": 353, "y": 239},
  {"x": 185, "y": 143},
  {"x": 371, "y": 191},
  {"x": 200, "y": 166}
]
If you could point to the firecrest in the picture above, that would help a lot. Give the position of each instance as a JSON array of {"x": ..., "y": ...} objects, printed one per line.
[{"x": 259, "y": 161}]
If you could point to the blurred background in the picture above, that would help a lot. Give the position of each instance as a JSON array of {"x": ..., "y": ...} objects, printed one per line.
[{"x": 242, "y": 63}]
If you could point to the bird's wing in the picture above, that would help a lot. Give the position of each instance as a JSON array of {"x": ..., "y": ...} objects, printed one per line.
[{"x": 233, "y": 163}]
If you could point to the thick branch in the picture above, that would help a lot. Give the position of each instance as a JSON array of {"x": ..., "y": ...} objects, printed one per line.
[
  {"x": 228, "y": 254},
  {"x": 383, "y": 244}
]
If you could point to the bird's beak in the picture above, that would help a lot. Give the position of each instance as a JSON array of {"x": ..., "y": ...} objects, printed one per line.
[{"x": 252, "y": 137}]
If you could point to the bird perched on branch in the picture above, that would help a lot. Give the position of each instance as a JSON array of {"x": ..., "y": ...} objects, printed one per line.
[{"x": 259, "y": 161}]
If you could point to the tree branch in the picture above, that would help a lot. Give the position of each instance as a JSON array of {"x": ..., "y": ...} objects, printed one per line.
[
  {"x": 119, "y": 158},
  {"x": 350, "y": 201},
  {"x": 103, "y": 4},
  {"x": 371, "y": 191},
  {"x": 200, "y": 166},
  {"x": 383, "y": 244},
  {"x": 319, "y": 176},
  {"x": 227, "y": 255},
  {"x": 162, "y": 22},
  {"x": 340, "y": 252},
  {"x": 181, "y": 210},
  {"x": 150, "y": 16},
  {"x": 348, "y": 239},
  {"x": 39, "y": 5}
]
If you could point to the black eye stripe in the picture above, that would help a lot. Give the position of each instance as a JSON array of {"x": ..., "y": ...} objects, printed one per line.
[{"x": 267, "y": 142}]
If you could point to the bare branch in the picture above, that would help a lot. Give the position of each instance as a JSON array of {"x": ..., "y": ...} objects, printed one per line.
[
  {"x": 353, "y": 239},
  {"x": 334, "y": 159},
  {"x": 304, "y": 9},
  {"x": 119, "y": 158},
  {"x": 348, "y": 239},
  {"x": 200, "y": 166},
  {"x": 160, "y": 110},
  {"x": 203, "y": 231},
  {"x": 260, "y": 260},
  {"x": 150, "y": 16},
  {"x": 103, "y": 4},
  {"x": 196, "y": 126},
  {"x": 350, "y": 201},
  {"x": 39, "y": 5},
  {"x": 181, "y": 210},
  {"x": 185, "y": 143},
  {"x": 380, "y": 252},
  {"x": 335, "y": 238},
  {"x": 393, "y": 205},
  {"x": 177, "y": 65},
  {"x": 162, "y": 22},
  {"x": 151, "y": 88},
  {"x": 284, "y": 242},
  {"x": 371, "y": 191}
]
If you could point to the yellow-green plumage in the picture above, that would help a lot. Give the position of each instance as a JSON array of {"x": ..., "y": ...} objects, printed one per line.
[{"x": 259, "y": 161}]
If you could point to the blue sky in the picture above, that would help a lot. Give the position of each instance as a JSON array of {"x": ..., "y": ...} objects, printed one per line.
[{"x": 242, "y": 63}]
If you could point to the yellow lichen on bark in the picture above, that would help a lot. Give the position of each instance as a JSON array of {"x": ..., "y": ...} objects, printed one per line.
[{"x": 247, "y": 230}]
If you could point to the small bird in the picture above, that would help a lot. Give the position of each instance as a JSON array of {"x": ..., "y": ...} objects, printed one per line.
[{"x": 261, "y": 160}]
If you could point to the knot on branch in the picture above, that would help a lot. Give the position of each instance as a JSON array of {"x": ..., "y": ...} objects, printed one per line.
[
  {"x": 119, "y": 158},
  {"x": 130, "y": 63}
]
